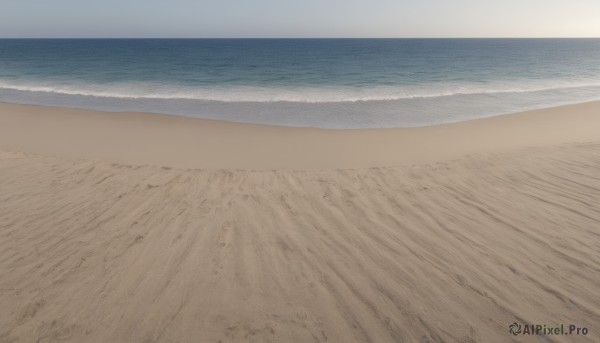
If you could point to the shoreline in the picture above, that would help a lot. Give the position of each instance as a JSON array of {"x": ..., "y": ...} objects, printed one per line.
[{"x": 191, "y": 143}]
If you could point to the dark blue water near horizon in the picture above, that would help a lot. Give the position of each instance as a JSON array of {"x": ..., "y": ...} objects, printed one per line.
[{"x": 329, "y": 83}]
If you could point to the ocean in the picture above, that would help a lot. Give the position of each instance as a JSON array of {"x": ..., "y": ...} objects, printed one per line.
[{"x": 324, "y": 83}]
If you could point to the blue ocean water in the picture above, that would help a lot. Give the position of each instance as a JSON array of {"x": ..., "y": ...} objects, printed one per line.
[{"x": 327, "y": 83}]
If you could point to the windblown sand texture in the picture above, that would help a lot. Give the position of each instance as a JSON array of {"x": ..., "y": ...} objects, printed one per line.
[{"x": 452, "y": 250}]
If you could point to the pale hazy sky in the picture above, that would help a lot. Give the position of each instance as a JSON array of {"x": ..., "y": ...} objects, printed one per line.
[{"x": 300, "y": 18}]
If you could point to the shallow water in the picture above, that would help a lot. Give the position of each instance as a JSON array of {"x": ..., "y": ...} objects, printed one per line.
[{"x": 328, "y": 83}]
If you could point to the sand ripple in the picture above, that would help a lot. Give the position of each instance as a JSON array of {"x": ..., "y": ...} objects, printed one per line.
[{"x": 453, "y": 251}]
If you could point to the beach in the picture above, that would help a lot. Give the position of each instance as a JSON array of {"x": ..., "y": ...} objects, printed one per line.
[
  {"x": 139, "y": 227},
  {"x": 181, "y": 142}
]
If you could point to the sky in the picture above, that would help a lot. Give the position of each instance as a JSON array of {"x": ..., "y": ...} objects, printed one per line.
[{"x": 298, "y": 18}]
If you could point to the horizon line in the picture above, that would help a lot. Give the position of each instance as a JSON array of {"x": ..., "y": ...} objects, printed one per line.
[{"x": 533, "y": 37}]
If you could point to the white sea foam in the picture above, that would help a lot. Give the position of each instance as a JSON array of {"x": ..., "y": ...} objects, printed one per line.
[
  {"x": 315, "y": 94},
  {"x": 406, "y": 112}
]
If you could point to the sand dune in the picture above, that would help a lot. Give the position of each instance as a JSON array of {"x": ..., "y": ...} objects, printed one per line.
[{"x": 451, "y": 251}]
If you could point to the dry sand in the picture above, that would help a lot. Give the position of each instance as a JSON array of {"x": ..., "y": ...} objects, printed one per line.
[
  {"x": 447, "y": 233},
  {"x": 153, "y": 139}
]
